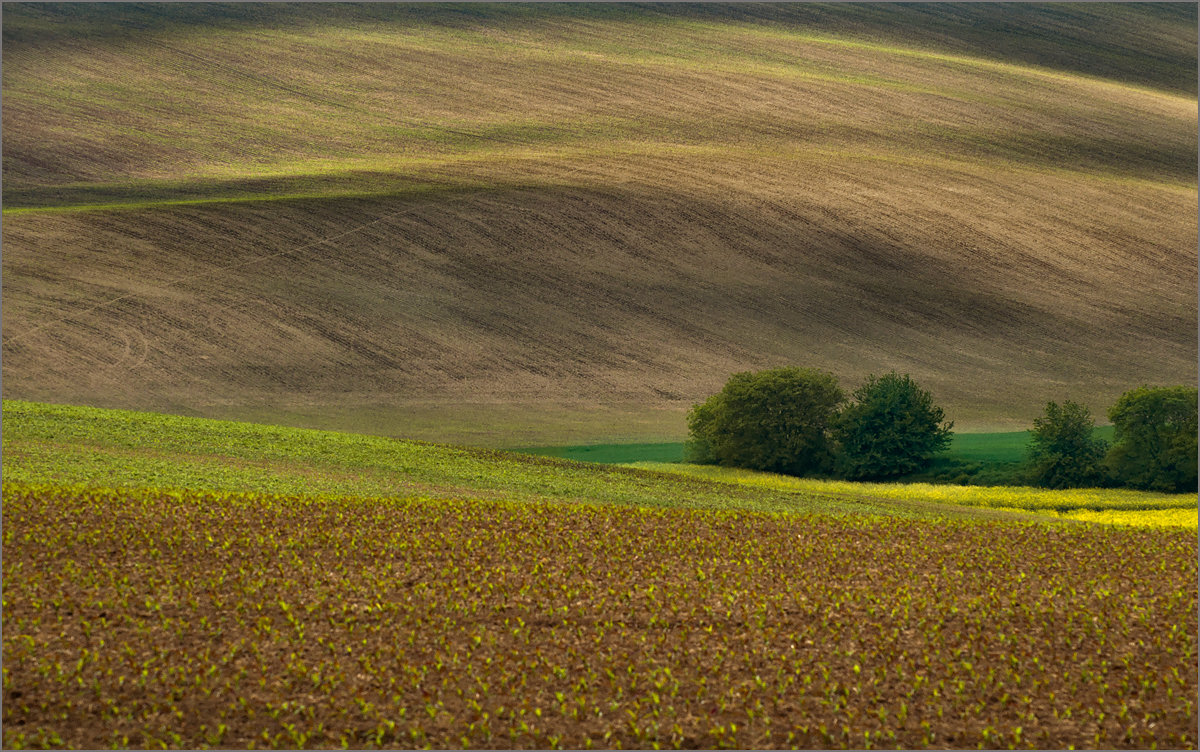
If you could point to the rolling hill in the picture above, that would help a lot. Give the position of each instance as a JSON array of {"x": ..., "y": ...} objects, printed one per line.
[{"x": 519, "y": 224}]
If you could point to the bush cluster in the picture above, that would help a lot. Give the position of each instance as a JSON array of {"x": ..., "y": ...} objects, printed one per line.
[
  {"x": 1153, "y": 449},
  {"x": 798, "y": 421},
  {"x": 1063, "y": 451}
]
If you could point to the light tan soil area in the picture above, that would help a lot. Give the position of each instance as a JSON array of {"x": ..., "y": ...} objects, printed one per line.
[{"x": 500, "y": 232}]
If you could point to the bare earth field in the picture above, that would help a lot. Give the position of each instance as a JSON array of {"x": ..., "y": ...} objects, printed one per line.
[
  {"x": 140, "y": 619},
  {"x": 508, "y": 227}
]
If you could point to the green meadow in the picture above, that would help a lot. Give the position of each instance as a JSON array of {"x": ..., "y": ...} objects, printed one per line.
[
  {"x": 615, "y": 454},
  {"x": 71, "y": 446},
  {"x": 65, "y": 445},
  {"x": 988, "y": 448}
]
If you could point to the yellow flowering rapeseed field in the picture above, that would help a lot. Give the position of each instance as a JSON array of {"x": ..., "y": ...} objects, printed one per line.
[
  {"x": 1104, "y": 505},
  {"x": 1142, "y": 518}
]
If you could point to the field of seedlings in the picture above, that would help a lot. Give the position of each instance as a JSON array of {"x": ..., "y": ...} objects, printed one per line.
[
  {"x": 85, "y": 446},
  {"x": 192, "y": 619}
]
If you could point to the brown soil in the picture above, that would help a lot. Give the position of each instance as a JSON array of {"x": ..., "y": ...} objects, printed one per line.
[
  {"x": 631, "y": 227},
  {"x": 242, "y": 621},
  {"x": 576, "y": 294}
]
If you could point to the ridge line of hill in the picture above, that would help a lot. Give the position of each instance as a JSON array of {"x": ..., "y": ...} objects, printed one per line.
[{"x": 428, "y": 186}]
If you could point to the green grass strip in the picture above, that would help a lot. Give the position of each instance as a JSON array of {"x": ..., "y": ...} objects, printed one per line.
[{"x": 72, "y": 445}]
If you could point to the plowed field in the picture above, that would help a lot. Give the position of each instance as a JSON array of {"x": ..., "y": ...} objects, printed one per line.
[
  {"x": 513, "y": 226},
  {"x": 194, "y": 619}
]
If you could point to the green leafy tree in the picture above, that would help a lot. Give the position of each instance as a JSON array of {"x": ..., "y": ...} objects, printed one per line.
[
  {"x": 891, "y": 428},
  {"x": 776, "y": 420},
  {"x": 702, "y": 421},
  {"x": 1063, "y": 452},
  {"x": 1154, "y": 446}
]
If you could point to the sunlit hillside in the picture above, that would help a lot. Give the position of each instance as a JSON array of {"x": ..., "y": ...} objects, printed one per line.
[{"x": 518, "y": 224}]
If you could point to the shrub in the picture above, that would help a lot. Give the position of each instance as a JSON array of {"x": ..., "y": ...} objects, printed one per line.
[
  {"x": 702, "y": 421},
  {"x": 892, "y": 428},
  {"x": 1154, "y": 445},
  {"x": 1063, "y": 453},
  {"x": 776, "y": 420}
]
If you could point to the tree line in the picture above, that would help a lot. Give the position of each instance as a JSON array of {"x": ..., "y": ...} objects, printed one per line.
[{"x": 798, "y": 421}]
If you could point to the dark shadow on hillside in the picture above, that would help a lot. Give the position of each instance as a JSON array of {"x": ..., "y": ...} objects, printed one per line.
[{"x": 1152, "y": 44}]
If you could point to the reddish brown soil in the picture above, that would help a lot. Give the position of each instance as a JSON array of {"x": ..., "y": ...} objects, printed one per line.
[{"x": 237, "y": 621}]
